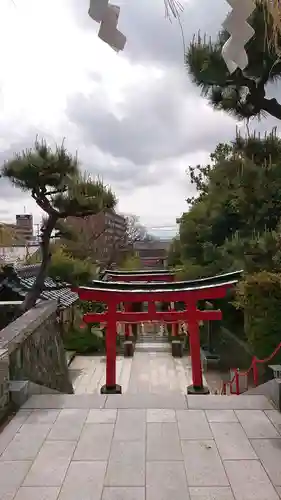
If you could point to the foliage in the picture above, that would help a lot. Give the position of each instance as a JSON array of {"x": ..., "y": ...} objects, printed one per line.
[
  {"x": 242, "y": 93},
  {"x": 90, "y": 306},
  {"x": 174, "y": 253},
  {"x": 85, "y": 340},
  {"x": 260, "y": 296},
  {"x": 132, "y": 263},
  {"x": 86, "y": 237},
  {"x": 34, "y": 258},
  {"x": 7, "y": 236},
  {"x": 65, "y": 268},
  {"x": 58, "y": 187},
  {"x": 91, "y": 238},
  {"x": 135, "y": 230},
  {"x": 88, "y": 338},
  {"x": 234, "y": 221}
]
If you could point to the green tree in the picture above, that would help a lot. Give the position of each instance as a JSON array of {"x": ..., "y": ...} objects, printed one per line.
[
  {"x": 235, "y": 219},
  {"x": 174, "y": 253},
  {"x": 64, "y": 267},
  {"x": 259, "y": 296},
  {"x": 55, "y": 182},
  {"x": 242, "y": 93},
  {"x": 7, "y": 236},
  {"x": 131, "y": 263}
]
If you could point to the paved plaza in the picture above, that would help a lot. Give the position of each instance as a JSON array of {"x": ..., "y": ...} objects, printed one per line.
[
  {"x": 147, "y": 372},
  {"x": 141, "y": 445}
]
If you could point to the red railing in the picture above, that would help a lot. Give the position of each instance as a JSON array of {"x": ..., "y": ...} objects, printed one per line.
[{"x": 253, "y": 368}]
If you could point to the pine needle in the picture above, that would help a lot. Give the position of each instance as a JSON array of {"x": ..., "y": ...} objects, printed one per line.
[{"x": 173, "y": 8}]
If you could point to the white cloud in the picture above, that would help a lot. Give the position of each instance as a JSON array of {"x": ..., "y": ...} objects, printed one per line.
[{"x": 53, "y": 61}]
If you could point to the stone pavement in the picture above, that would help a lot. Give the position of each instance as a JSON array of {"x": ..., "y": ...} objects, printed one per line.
[
  {"x": 142, "y": 447},
  {"x": 157, "y": 373}
]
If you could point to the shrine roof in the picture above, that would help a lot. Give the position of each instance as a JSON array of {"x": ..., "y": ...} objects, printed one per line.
[
  {"x": 141, "y": 272},
  {"x": 144, "y": 287}
]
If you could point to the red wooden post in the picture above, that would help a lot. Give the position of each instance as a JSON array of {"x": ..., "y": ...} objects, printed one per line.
[
  {"x": 255, "y": 371},
  {"x": 237, "y": 387},
  {"x": 110, "y": 386},
  {"x": 194, "y": 341},
  {"x": 174, "y": 330},
  {"x": 174, "y": 325},
  {"x": 128, "y": 308}
]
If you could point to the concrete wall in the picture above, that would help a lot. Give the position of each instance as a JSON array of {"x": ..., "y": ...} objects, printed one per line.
[
  {"x": 4, "y": 381},
  {"x": 271, "y": 389},
  {"x": 31, "y": 348}
]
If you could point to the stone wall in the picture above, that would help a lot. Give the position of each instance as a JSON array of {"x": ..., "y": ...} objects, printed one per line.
[
  {"x": 4, "y": 382},
  {"x": 35, "y": 351}
]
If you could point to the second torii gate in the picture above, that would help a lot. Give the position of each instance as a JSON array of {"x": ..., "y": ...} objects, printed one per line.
[{"x": 141, "y": 276}]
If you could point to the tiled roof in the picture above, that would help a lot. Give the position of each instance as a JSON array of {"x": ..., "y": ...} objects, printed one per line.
[
  {"x": 152, "y": 245},
  {"x": 27, "y": 271},
  {"x": 23, "y": 278}
]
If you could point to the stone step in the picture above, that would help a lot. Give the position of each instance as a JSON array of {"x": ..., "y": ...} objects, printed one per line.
[
  {"x": 155, "y": 340},
  {"x": 149, "y": 338},
  {"x": 153, "y": 347}
]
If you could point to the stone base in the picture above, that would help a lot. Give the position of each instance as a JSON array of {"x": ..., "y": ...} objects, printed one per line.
[
  {"x": 191, "y": 389},
  {"x": 19, "y": 392},
  {"x": 128, "y": 349},
  {"x": 115, "y": 389},
  {"x": 276, "y": 393},
  {"x": 177, "y": 349}
]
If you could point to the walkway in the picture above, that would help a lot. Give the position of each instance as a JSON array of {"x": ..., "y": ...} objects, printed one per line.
[
  {"x": 157, "y": 373},
  {"x": 140, "y": 445}
]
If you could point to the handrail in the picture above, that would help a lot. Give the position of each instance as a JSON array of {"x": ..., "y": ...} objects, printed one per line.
[{"x": 237, "y": 373}]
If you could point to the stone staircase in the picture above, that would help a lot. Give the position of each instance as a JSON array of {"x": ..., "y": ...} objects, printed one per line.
[{"x": 152, "y": 340}]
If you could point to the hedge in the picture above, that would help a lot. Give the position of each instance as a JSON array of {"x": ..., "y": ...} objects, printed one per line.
[{"x": 259, "y": 295}]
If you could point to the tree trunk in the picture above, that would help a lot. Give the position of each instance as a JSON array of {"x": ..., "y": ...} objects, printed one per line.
[
  {"x": 272, "y": 107},
  {"x": 38, "y": 285}
]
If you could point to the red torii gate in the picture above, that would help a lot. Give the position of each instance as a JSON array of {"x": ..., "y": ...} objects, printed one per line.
[
  {"x": 143, "y": 275},
  {"x": 189, "y": 292}
]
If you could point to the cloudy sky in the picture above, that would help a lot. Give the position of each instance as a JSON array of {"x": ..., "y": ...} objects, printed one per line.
[{"x": 134, "y": 117}]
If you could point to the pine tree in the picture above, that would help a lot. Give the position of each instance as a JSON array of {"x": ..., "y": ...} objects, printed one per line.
[
  {"x": 58, "y": 187},
  {"x": 243, "y": 93}
]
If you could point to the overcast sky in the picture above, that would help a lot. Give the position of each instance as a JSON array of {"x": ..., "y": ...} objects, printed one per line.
[{"x": 134, "y": 117}]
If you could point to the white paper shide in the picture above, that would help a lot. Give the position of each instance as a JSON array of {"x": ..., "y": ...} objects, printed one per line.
[
  {"x": 233, "y": 51},
  {"x": 107, "y": 15}
]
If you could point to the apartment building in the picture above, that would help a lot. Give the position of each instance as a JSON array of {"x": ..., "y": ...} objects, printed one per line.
[{"x": 104, "y": 234}]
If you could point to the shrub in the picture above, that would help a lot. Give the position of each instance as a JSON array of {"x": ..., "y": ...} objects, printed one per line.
[
  {"x": 132, "y": 263},
  {"x": 85, "y": 340},
  {"x": 259, "y": 295},
  {"x": 64, "y": 267}
]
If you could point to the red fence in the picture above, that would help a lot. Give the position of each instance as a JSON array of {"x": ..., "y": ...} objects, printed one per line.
[{"x": 253, "y": 369}]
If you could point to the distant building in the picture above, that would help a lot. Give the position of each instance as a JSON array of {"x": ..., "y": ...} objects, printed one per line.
[
  {"x": 17, "y": 254},
  {"x": 105, "y": 231},
  {"x": 24, "y": 226},
  {"x": 23, "y": 229},
  {"x": 152, "y": 253}
]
